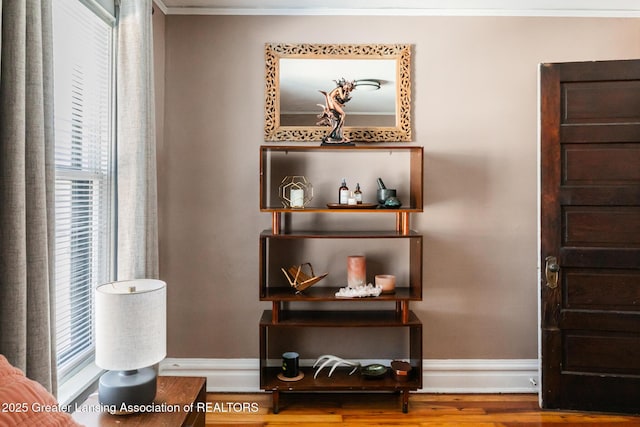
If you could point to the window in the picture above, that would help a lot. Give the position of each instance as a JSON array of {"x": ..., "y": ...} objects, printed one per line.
[{"x": 83, "y": 80}]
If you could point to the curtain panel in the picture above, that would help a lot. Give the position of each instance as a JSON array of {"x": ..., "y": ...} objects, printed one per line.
[
  {"x": 137, "y": 247},
  {"x": 27, "y": 189}
]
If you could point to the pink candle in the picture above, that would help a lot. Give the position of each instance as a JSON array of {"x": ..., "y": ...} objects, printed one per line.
[
  {"x": 356, "y": 271},
  {"x": 387, "y": 282}
]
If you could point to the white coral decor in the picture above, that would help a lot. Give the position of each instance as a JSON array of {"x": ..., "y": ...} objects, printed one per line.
[{"x": 359, "y": 291}]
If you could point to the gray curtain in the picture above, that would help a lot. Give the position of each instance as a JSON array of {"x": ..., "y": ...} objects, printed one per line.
[
  {"x": 26, "y": 188},
  {"x": 136, "y": 146}
]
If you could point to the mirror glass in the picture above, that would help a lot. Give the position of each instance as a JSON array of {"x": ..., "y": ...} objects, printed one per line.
[
  {"x": 372, "y": 103},
  {"x": 378, "y": 109}
]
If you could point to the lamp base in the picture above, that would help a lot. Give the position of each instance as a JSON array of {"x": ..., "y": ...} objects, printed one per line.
[{"x": 122, "y": 391}]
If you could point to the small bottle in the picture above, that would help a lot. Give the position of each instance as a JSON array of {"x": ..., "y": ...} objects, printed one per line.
[
  {"x": 343, "y": 193},
  {"x": 381, "y": 185},
  {"x": 358, "y": 194}
]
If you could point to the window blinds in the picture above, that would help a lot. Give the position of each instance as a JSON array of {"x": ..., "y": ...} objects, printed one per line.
[{"x": 83, "y": 69}]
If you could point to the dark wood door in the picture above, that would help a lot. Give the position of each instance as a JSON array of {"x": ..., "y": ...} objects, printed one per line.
[{"x": 590, "y": 235}]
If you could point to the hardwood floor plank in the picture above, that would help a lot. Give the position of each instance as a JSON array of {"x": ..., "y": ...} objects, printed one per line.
[
  {"x": 344, "y": 424},
  {"x": 474, "y": 397},
  {"x": 525, "y": 417},
  {"x": 291, "y": 419},
  {"x": 380, "y": 409}
]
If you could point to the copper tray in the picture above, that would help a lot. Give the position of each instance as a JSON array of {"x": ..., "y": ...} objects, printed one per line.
[{"x": 360, "y": 206}]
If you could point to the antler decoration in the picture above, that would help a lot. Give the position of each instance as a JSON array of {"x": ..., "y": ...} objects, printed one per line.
[{"x": 328, "y": 358}]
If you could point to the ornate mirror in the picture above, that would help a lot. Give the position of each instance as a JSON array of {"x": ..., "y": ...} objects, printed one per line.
[{"x": 379, "y": 109}]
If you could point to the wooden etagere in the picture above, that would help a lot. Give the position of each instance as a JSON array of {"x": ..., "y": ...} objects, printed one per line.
[{"x": 284, "y": 313}]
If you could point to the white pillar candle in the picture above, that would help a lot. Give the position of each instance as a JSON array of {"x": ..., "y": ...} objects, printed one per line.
[{"x": 297, "y": 198}]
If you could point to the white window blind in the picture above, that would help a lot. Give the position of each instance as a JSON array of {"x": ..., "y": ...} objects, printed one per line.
[{"x": 83, "y": 68}]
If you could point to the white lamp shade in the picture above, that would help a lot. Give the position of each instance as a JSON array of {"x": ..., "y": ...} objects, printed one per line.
[{"x": 131, "y": 324}]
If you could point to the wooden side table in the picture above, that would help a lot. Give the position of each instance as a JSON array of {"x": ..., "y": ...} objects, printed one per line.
[{"x": 180, "y": 401}]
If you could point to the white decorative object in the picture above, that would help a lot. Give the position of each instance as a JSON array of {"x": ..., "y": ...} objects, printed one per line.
[
  {"x": 297, "y": 198},
  {"x": 328, "y": 358},
  {"x": 295, "y": 191},
  {"x": 131, "y": 337},
  {"x": 359, "y": 291}
]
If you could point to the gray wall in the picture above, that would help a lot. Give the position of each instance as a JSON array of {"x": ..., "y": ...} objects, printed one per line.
[{"x": 475, "y": 113}]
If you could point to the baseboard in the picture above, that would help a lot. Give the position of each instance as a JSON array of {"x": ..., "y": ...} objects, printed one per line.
[
  {"x": 439, "y": 376},
  {"x": 480, "y": 376}
]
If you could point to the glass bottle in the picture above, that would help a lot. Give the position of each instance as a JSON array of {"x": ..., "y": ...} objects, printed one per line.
[
  {"x": 358, "y": 194},
  {"x": 343, "y": 193}
]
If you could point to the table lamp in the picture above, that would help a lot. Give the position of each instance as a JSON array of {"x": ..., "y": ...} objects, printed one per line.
[{"x": 131, "y": 337}]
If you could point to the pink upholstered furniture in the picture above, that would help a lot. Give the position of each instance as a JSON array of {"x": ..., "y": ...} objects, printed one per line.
[{"x": 24, "y": 402}]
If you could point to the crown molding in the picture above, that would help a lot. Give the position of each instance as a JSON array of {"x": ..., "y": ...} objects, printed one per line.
[
  {"x": 531, "y": 8},
  {"x": 163, "y": 7}
]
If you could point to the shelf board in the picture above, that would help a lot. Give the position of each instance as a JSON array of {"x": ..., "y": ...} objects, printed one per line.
[
  {"x": 340, "y": 380},
  {"x": 312, "y": 209},
  {"x": 326, "y": 293},
  {"x": 327, "y": 234},
  {"x": 411, "y": 186},
  {"x": 362, "y": 146},
  {"x": 342, "y": 318}
]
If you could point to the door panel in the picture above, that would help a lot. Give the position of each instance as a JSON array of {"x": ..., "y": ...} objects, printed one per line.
[
  {"x": 595, "y": 353},
  {"x": 590, "y": 221},
  {"x": 602, "y": 289},
  {"x": 601, "y": 164},
  {"x": 595, "y": 103},
  {"x": 601, "y": 226}
]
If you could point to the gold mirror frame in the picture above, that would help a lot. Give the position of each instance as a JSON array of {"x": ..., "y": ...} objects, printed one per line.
[{"x": 400, "y": 52}]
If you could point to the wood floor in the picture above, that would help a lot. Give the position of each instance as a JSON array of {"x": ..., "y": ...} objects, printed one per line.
[{"x": 360, "y": 410}]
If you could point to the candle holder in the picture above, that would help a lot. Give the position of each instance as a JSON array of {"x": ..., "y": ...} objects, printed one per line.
[{"x": 295, "y": 191}]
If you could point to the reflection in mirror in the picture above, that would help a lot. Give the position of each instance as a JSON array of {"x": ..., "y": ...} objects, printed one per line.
[
  {"x": 372, "y": 103},
  {"x": 379, "y": 108}
]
